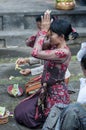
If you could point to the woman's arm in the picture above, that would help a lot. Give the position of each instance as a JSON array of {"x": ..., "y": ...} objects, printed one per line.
[
  {"x": 30, "y": 41},
  {"x": 56, "y": 54}
]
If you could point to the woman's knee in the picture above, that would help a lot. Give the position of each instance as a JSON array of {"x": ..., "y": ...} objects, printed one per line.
[{"x": 18, "y": 113}]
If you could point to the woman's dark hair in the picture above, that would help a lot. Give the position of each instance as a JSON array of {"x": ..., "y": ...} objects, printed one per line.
[
  {"x": 63, "y": 27},
  {"x": 83, "y": 62},
  {"x": 38, "y": 18}
]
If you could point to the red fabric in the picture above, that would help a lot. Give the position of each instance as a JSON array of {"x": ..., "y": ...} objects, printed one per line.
[{"x": 30, "y": 41}]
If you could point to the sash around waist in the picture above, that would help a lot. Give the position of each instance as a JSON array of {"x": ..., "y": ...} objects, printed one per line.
[{"x": 56, "y": 82}]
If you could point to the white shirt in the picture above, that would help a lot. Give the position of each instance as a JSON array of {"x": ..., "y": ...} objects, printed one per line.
[
  {"x": 82, "y": 92},
  {"x": 67, "y": 74}
]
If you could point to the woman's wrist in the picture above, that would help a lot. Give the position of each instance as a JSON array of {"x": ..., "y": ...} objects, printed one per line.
[{"x": 42, "y": 33}]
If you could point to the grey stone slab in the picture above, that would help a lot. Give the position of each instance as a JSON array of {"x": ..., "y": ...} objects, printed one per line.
[
  {"x": 25, "y": 5},
  {"x": 10, "y": 33},
  {"x": 20, "y": 22},
  {"x": 15, "y": 37},
  {"x": 13, "y": 22},
  {"x": 78, "y": 20},
  {"x": 16, "y": 41},
  {"x": 15, "y": 52},
  {"x": 29, "y": 22},
  {"x": 2, "y": 43},
  {"x": 1, "y": 23}
]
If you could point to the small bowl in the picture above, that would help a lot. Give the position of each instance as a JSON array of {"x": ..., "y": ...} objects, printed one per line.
[{"x": 9, "y": 90}]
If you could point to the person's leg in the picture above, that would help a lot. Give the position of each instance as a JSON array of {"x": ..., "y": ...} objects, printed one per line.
[
  {"x": 52, "y": 118},
  {"x": 70, "y": 118},
  {"x": 24, "y": 113}
]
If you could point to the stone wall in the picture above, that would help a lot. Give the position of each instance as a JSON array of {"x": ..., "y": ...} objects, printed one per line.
[{"x": 16, "y": 27}]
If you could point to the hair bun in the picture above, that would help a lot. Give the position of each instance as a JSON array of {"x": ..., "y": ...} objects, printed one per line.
[{"x": 73, "y": 35}]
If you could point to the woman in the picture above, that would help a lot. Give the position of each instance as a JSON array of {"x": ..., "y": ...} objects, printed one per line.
[{"x": 32, "y": 112}]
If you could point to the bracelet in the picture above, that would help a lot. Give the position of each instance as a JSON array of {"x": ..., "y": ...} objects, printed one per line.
[{"x": 42, "y": 33}]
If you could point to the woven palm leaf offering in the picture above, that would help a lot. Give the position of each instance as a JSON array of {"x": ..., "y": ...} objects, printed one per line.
[
  {"x": 17, "y": 67},
  {"x": 15, "y": 90},
  {"x": 3, "y": 115},
  {"x": 65, "y": 4}
]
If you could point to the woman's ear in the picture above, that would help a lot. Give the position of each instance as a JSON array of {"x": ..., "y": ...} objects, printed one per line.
[{"x": 61, "y": 37}]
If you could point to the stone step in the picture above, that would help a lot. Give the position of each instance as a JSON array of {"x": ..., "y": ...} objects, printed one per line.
[
  {"x": 14, "y": 52},
  {"x": 18, "y": 37},
  {"x": 25, "y": 19},
  {"x": 17, "y": 19},
  {"x": 15, "y": 37},
  {"x": 11, "y": 51}
]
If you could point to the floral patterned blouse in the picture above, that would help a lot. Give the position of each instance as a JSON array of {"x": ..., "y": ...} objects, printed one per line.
[{"x": 56, "y": 63}]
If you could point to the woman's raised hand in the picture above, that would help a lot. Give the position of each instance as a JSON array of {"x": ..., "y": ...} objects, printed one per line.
[{"x": 46, "y": 21}]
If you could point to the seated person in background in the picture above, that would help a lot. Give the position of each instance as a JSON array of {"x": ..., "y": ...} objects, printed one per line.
[
  {"x": 36, "y": 70},
  {"x": 31, "y": 40},
  {"x": 30, "y": 43}
]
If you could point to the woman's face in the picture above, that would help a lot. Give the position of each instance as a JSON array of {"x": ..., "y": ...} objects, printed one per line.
[
  {"x": 55, "y": 39},
  {"x": 38, "y": 25}
]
